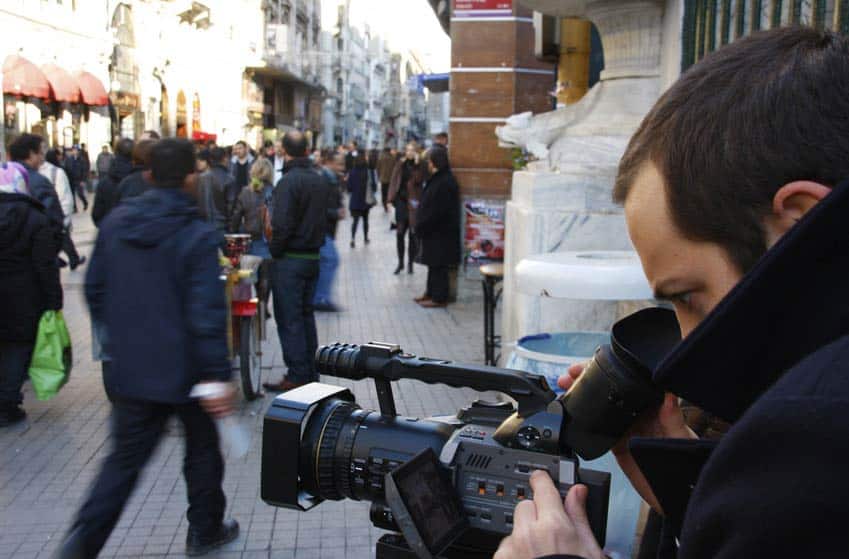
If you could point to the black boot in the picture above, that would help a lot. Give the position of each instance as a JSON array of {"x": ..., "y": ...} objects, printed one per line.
[
  {"x": 11, "y": 414},
  {"x": 399, "y": 268},
  {"x": 198, "y": 544}
]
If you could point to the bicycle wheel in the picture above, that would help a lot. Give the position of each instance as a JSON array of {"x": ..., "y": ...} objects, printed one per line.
[{"x": 250, "y": 358}]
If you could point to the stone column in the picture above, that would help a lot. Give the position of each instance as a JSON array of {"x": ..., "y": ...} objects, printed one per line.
[{"x": 564, "y": 202}]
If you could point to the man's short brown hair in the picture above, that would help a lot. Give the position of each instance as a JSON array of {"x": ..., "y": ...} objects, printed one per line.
[{"x": 757, "y": 114}]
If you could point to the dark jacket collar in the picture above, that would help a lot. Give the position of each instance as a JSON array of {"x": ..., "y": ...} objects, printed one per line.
[
  {"x": 794, "y": 301},
  {"x": 298, "y": 162}
]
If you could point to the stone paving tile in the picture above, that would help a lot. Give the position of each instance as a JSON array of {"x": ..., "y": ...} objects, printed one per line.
[{"x": 48, "y": 462}]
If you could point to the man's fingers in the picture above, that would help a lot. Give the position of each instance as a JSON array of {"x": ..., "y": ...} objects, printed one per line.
[
  {"x": 576, "y": 505},
  {"x": 526, "y": 512},
  {"x": 546, "y": 496}
]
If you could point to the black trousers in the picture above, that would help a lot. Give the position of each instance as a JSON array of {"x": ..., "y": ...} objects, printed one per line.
[
  {"x": 384, "y": 194},
  {"x": 79, "y": 190},
  {"x": 438, "y": 287},
  {"x": 404, "y": 229},
  {"x": 14, "y": 366},
  {"x": 357, "y": 215},
  {"x": 137, "y": 427},
  {"x": 70, "y": 249}
]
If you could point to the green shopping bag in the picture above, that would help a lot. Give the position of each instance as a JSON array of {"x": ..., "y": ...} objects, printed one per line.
[{"x": 50, "y": 366}]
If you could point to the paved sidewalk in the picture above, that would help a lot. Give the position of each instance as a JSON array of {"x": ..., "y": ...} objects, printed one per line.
[{"x": 47, "y": 463}]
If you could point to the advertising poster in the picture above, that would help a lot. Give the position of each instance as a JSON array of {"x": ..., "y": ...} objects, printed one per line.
[
  {"x": 484, "y": 235},
  {"x": 482, "y": 8}
]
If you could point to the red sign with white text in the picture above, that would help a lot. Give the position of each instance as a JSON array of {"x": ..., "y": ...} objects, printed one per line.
[{"x": 482, "y": 8}]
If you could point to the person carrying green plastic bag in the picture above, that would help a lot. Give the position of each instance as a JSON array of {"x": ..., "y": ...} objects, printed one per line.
[{"x": 51, "y": 357}]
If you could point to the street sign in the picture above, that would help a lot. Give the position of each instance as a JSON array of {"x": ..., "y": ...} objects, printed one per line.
[{"x": 482, "y": 8}]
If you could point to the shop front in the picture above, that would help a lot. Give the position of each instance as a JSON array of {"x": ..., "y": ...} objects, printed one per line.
[{"x": 65, "y": 108}]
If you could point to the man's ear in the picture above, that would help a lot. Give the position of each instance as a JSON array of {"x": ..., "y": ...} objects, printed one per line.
[{"x": 790, "y": 203}]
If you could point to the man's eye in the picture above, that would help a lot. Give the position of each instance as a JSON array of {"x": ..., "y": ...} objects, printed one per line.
[{"x": 682, "y": 298}]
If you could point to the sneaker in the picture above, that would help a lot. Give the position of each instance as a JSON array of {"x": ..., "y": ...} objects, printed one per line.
[
  {"x": 422, "y": 298},
  {"x": 10, "y": 415},
  {"x": 198, "y": 544}
]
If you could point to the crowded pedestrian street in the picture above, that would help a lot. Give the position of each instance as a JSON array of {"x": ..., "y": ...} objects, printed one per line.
[{"x": 48, "y": 462}]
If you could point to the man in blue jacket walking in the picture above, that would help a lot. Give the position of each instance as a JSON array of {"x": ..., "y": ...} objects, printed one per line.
[{"x": 153, "y": 282}]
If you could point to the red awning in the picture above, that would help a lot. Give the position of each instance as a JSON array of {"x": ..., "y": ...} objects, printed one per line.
[
  {"x": 92, "y": 90},
  {"x": 64, "y": 87},
  {"x": 199, "y": 136},
  {"x": 22, "y": 78}
]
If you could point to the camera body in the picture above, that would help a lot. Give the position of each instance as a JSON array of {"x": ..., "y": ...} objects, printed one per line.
[{"x": 458, "y": 478}]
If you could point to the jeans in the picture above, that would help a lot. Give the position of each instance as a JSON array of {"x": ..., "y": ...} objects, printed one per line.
[
  {"x": 327, "y": 263},
  {"x": 438, "y": 284},
  {"x": 293, "y": 284},
  {"x": 137, "y": 427},
  {"x": 14, "y": 365},
  {"x": 403, "y": 230}
]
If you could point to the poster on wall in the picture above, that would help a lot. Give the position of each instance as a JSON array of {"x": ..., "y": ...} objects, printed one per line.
[
  {"x": 482, "y": 8},
  {"x": 484, "y": 235}
]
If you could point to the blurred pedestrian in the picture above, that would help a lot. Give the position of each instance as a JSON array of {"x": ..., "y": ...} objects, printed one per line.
[
  {"x": 138, "y": 181},
  {"x": 29, "y": 150},
  {"x": 361, "y": 199},
  {"x": 438, "y": 228},
  {"x": 385, "y": 165},
  {"x": 299, "y": 221},
  {"x": 155, "y": 270},
  {"x": 278, "y": 162},
  {"x": 219, "y": 159},
  {"x": 108, "y": 195},
  {"x": 404, "y": 192},
  {"x": 440, "y": 139},
  {"x": 268, "y": 150},
  {"x": 75, "y": 168},
  {"x": 247, "y": 216},
  {"x": 86, "y": 160},
  {"x": 240, "y": 167},
  {"x": 332, "y": 167},
  {"x": 52, "y": 169},
  {"x": 212, "y": 200},
  {"x": 30, "y": 284},
  {"x": 351, "y": 156},
  {"x": 103, "y": 162}
]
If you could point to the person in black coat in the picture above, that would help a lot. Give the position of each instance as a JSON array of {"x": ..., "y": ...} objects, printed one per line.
[
  {"x": 438, "y": 228},
  {"x": 359, "y": 184},
  {"x": 750, "y": 246},
  {"x": 300, "y": 205},
  {"x": 153, "y": 282},
  {"x": 77, "y": 170},
  {"x": 29, "y": 285},
  {"x": 108, "y": 195}
]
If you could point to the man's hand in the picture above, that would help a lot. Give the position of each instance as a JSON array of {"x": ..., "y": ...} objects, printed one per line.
[
  {"x": 667, "y": 421},
  {"x": 221, "y": 405},
  {"x": 544, "y": 526}
]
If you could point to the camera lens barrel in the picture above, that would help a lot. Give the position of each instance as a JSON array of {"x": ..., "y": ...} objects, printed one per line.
[{"x": 346, "y": 451}]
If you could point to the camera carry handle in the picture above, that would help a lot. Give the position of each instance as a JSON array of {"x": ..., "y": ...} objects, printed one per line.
[{"x": 386, "y": 362}]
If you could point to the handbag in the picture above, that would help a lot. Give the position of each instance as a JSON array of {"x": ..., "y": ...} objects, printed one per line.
[
  {"x": 50, "y": 366},
  {"x": 266, "y": 217},
  {"x": 370, "y": 188}
]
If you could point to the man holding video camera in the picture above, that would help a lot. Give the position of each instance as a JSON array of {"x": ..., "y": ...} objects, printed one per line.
[{"x": 735, "y": 174}]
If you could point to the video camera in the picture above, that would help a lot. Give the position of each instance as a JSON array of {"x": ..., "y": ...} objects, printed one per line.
[{"x": 450, "y": 484}]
